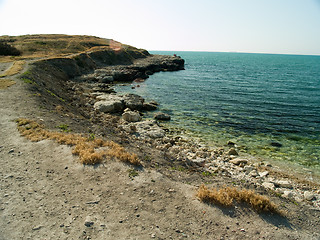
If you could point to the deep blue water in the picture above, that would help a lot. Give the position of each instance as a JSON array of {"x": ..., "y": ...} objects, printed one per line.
[{"x": 251, "y": 99}]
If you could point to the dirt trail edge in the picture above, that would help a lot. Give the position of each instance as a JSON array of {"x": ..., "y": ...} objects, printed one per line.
[{"x": 47, "y": 194}]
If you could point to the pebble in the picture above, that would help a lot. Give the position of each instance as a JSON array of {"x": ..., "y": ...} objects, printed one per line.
[
  {"x": 11, "y": 150},
  {"x": 88, "y": 222},
  {"x": 37, "y": 228}
]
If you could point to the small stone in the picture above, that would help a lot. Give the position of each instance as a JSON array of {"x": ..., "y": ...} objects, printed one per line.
[
  {"x": 37, "y": 228},
  {"x": 11, "y": 150},
  {"x": 308, "y": 195},
  {"x": 153, "y": 235},
  {"x": 88, "y": 222},
  {"x": 237, "y": 161},
  {"x": 242, "y": 230}
]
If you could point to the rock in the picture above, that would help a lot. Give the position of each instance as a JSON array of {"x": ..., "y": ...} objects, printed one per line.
[
  {"x": 162, "y": 116},
  {"x": 288, "y": 194},
  {"x": 230, "y": 143},
  {"x": 149, "y": 107},
  {"x": 146, "y": 129},
  {"x": 133, "y": 101},
  {"x": 88, "y": 222},
  {"x": 263, "y": 174},
  {"x": 308, "y": 195},
  {"x": 37, "y": 228},
  {"x": 131, "y": 116},
  {"x": 254, "y": 173},
  {"x": 268, "y": 185},
  {"x": 110, "y": 103},
  {"x": 276, "y": 144},
  {"x": 199, "y": 162},
  {"x": 283, "y": 184},
  {"x": 106, "y": 79},
  {"x": 238, "y": 161},
  {"x": 232, "y": 151}
]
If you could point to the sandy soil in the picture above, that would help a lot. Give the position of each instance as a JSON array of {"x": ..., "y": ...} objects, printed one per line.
[{"x": 47, "y": 194}]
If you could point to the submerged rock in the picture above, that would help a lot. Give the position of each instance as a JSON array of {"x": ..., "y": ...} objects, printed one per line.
[{"x": 162, "y": 116}]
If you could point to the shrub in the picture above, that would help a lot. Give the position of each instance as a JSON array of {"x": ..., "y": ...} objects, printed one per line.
[
  {"x": 8, "y": 50},
  {"x": 226, "y": 196}
]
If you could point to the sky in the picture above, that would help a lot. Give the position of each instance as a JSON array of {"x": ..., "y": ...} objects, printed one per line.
[{"x": 259, "y": 26}]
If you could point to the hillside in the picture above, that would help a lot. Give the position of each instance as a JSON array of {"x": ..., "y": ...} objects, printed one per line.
[{"x": 74, "y": 166}]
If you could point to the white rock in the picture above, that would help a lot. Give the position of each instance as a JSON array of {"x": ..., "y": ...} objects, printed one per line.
[
  {"x": 131, "y": 116},
  {"x": 263, "y": 174},
  {"x": 283, "y": 184},
  {"x": 268, "y": 185},
  {"x": 308, "y": 195},
  {"x": 288, "y": 194}
]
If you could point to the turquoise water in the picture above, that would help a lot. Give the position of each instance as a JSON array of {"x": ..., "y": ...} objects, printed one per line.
[{"x": 254, "y": 100}]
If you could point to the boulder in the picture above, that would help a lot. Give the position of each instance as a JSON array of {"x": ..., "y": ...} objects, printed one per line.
[
  {"x": 109, "y": 106},
  {"x": 133, "y": 101},
  {"x": 162, "y": 116},
  {"x": 131, "y": 116}
]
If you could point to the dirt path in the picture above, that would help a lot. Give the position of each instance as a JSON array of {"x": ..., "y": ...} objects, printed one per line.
[{"x": 46, "y": 194}]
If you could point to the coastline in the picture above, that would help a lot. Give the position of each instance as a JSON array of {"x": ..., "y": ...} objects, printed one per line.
[{"x": 48, "y": 193}]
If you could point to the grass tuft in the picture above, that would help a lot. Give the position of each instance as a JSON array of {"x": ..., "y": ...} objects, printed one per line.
[
  {"x": 226, "y": 196},
  {"x": 90, "y": 151}
]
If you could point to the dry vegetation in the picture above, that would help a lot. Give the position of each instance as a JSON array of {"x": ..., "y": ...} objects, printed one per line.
[
  {"x": 226, "y": 196},
  {"x": 55, "y": 45},
  {"x": 89, "y": 149},
  {"x": 15, "y": 68},
  {"x": 5, "y": 83}
]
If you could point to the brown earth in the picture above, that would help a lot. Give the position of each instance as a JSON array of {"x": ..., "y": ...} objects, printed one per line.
[{"x": 47, "y": 194}]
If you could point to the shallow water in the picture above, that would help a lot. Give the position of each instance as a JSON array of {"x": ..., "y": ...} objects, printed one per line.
[{"x": 268, "y": 104}]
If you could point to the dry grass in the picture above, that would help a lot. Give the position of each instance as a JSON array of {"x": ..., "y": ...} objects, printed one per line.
[
  {"x": 90, "y": 150},
  {"x": 57, "y": 45},
  {"x": 5, "y": 83},
  {"x": 15, "y": 69},
  {"x": 226, "y": 196}
]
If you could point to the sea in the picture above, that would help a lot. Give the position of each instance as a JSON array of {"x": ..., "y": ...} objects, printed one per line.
[{"x": 267, "y": 104}]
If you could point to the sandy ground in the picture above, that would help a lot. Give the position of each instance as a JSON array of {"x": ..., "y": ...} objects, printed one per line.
[{"x": 47, "y": 194}]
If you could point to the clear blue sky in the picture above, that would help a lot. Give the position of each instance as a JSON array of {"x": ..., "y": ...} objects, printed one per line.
[{"x": 268, "y": 26}]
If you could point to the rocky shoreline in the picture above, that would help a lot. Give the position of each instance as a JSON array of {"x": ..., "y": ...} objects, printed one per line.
[
  {"x": 218, "y": 161},
  {"x": 96, "y": 91}
]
